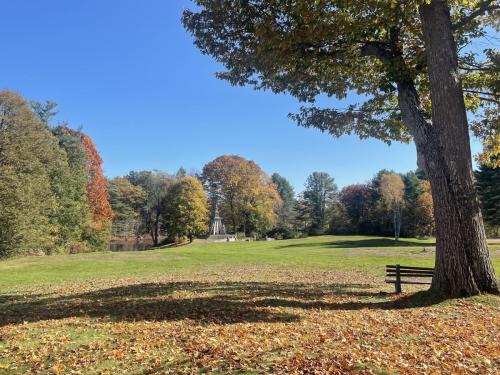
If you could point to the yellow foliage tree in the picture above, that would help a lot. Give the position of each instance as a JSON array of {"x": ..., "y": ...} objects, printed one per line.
[
  {"x": 392, "y": 190},
  {"x": 186, "y": 209}
]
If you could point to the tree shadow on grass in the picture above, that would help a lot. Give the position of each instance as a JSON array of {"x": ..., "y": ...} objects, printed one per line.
[
  {"x": 419, "y": 299},
  {"x": 204, "y": 303},
  {"x": 377, "y": 242}
]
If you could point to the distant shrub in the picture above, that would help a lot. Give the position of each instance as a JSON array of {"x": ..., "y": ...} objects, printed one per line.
[
  {"x": 282, "y": 233},
  {"x": 77, "y": 247},
  {"x": 97, "y": 236}
]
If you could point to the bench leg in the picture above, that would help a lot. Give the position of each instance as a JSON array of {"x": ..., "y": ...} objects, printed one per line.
[{"x": 398, "y": 280}]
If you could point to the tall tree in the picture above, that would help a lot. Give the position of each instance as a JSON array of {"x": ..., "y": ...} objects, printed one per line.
[
  {"x": 31, "y": 165},
  {"x": 463, "y": 265},
  {"x": 412, "y": 191},
  {"x": 45, "y": 111},
  {"x": 303, "y": 216},
  {"x": 246, "y": 197},
  {"x": 73, "y": 211},
  {"x": 186, "y": 209},
  {"x": 181, "y": 173},
  {"x": 156, "y": 184},
  {"x": 488, "y": 182},
  {"x": 319, "y": 194},
  {"x": 355, "y": 201},
  {"x": 424, "y": 211},
  {"x": 99, "y": 231},
  {"x": 401, "y": 55},
  {"x": 287, "y": 194},
  {"x": 127, "y": 201},
  {"x": 392, "y": 190}
]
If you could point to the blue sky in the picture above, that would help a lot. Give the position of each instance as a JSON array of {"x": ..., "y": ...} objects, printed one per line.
[{"x": 127, "y": 73}]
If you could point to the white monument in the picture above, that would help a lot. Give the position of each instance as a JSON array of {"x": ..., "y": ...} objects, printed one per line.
[{"x": 218, "y": 230}]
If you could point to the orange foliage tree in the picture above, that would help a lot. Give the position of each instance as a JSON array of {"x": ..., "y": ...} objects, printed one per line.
[{"x": 97, "y": 191}]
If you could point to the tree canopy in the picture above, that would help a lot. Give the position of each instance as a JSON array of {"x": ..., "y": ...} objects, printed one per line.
[
  {"x": 308, "y": 48},
  {"x": 319, "y": 195},
  {"x": 186, "y": 209},
  {"x": 245, "y": 195}
]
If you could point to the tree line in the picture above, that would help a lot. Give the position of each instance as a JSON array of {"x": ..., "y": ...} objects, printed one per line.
[
  {"x": 53, "y": 194},
  {"x": 391, "y": 204},
  {"x": 168, "y": 208},
  {"x": 54, "y": 197}
]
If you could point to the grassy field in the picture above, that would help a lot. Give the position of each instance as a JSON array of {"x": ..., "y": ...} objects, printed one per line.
[{"x": 298, "y": 306}]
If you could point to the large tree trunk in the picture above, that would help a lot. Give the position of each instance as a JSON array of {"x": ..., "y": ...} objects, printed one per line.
[{"x": 463, "y": 264}]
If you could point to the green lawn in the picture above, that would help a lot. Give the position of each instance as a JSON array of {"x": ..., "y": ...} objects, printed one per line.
[
  {"x": 358, "y": 253},
  {"x": 255, "y": 307}
]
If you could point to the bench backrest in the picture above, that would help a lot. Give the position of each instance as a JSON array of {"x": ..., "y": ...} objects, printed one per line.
[
  {"x": 398, "y": 272},
  {"x": 394, "y": 270}
]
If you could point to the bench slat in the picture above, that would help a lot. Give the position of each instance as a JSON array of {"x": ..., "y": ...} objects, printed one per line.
[
  {"x": 408, "y": 274},
  {"x": 409, "y": 282},
  {"x": 424, "y": 272},
  {"x": 389, "y": 267},
  {"x": 392, "y": 274}
]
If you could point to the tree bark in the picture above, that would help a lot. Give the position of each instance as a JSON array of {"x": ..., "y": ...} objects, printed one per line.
[{"x": 463, "y": 265}]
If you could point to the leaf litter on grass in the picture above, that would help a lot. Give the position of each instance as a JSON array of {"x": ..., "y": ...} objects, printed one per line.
[{"x": 252, "y": 319}]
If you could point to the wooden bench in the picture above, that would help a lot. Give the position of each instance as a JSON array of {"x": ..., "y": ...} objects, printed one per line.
[{"x": 396, "y": 273}]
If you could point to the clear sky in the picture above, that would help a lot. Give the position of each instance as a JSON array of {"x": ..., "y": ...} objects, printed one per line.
[{"x": 127, "y": 72}]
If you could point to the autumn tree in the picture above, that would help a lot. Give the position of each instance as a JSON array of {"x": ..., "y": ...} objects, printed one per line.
[
  {"x": 185, "y": 209},
  {"x": 355, "y": 201},
  {"x": 392, "y": 190},
  {"x": 127, "y": 201},
  {"x": 399, "y": 55},
  {"x": 424, "y": 211},
  {"x": 99, "y": 230},
  {"x": 156, "y": 185},
  {"x": 246, "y": 197},
  {"x": 319, "y": 195}
]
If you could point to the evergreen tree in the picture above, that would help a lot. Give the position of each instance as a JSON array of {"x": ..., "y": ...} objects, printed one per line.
[
  {"x": 413, "y": 189},
  {"x": 488, "y": 183},
  {"x": 44, "y": 111},
  {"x": 319, "y": 196},
  {"x": 286, "y": 210}
]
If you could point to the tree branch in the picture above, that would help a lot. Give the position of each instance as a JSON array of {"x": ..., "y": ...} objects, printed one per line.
[
  {"x": 376, "y": 49},
  {"x": 484, "y": 6},
  {"x": 479, "y": 92}
]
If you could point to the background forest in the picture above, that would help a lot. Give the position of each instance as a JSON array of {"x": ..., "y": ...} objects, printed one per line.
[{"x": 55, "y": 198}]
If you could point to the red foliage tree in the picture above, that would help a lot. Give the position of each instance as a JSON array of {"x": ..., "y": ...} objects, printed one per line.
[{"x": 97, "y": 191}]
